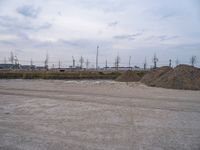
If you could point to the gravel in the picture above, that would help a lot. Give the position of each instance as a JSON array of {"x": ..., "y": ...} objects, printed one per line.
[{"x": 96, "y": 115}]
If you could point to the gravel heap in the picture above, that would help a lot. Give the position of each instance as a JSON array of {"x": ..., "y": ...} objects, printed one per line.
[
  {"x": 182, "y": 77},
  {"x": 153, "y": 75}
]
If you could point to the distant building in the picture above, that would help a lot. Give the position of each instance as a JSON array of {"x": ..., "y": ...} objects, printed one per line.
[
  {"x": 122, "y": 68},
  {"x": 7, "y": 66},
  {"x": 27, "y": 67},
  {"x": 40, "y": 68}
]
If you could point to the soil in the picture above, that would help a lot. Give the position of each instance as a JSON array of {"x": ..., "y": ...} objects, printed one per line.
[
  {"x": 96, "y": 115},
  {"x": 129, "y": 76}
]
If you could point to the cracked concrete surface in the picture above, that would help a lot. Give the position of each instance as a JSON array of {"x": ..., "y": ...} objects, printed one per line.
[{"x": 96, "y": 115}]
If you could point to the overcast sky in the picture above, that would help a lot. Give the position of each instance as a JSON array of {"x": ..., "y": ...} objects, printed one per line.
[{"x": 66, "y": 28}]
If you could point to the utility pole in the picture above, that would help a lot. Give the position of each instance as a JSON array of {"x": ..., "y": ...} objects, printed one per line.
[
  {"x": 145, "y": 64},
  {"x": 73, "y": 62},
  {"x": 87, "y": 64},
  {"x": 31, "y": 63},
  {"x": 81, "y": 61},
  {"x": 11, "y": 59},
  {"x": 5, "y": 60},
  {"x": 59, "y": 64},
  {"x": 46, "y": 62},
  {"x": 97, "y": 58},
  {"x": 177, "y": 62},
  {"x": 106, "y": 64},
  {"x": 193, "y": 60},
  {"x": 117, "y": 61},
  {"x": 129, "y": 65},
  {"x": 16, "y": 62},
  {"x": 155, "y": 60}
]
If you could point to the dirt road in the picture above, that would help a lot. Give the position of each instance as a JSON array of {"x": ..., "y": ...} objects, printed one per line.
[{"x": 96, "y": 115}]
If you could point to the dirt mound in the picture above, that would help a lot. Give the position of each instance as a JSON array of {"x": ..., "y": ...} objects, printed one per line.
[
  {"x": 153, "y": 75},
  {"x": 129, "y": 76},
  {"x": 182, "y": 77}
]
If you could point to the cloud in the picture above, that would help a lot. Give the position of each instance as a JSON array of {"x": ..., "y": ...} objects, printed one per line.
[
  {"x": 162, "y": 37},
  {"x": 165, "y": 37},
  {"x": 79, "y": 26},
  {"x": 113, "y": 24},
  {"x": 127, "y": 36},
  {"x": 15, "y": 24},
  {"x": 68, "y": 42},
  {"x": 28, "y": 11},
  {"x": 168, "y": 15}
]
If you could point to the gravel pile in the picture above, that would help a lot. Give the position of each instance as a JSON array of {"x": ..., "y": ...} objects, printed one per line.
[
  {"x": 182, "y": 77},
  {"x": 153, "y": 75}
]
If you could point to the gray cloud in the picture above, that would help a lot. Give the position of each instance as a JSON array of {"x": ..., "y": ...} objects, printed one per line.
[
  {"x": 12, "y": 22},
  {"x": 127, "y": 36},
  {"x": 68, "y": 42},
  {"x": 79, "y": 26},
  {"x": 165, "y": 37},
  {"x": 28, "y": 11}
]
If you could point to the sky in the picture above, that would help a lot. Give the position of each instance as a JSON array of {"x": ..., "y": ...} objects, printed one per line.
[{"x": 65, "y": 28}]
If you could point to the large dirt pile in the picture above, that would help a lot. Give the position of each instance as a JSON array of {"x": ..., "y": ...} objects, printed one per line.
[
  {"x": 129, "y": 76},
  {"x": 153, "y": 75},
  {"x": 182, "y": 77}
]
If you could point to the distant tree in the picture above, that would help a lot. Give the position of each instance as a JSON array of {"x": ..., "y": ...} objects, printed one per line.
[
  {"x": 11, "y": 59},
  {"x": 81, "y": 62},
  {"x": 155, "y": 60},
  {"x": 193, "y": 60}
]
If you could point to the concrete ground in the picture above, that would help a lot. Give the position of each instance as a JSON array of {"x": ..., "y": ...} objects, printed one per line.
[{"x": 96, "y": 115}]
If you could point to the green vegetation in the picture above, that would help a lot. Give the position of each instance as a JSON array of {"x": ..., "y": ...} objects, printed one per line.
[{"x": 58, "y": 75}]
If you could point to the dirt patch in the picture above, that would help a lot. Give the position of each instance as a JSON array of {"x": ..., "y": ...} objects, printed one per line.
[
  {"x": 182, "y": 77},
  {"x": 129, "y": 76}
]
